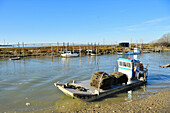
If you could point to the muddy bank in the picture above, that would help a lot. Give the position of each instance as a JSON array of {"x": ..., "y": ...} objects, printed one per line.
[{"x": 158, "y": 103}]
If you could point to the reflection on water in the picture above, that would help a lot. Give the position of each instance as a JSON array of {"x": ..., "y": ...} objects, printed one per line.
[{"x": 30, "y": 80}]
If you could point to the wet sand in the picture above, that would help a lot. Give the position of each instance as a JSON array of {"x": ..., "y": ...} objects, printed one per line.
[{"x": 157, "y": 103}]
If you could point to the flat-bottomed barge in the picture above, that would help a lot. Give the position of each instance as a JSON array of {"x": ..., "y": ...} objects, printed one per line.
[{"x": 84, "y": 90}]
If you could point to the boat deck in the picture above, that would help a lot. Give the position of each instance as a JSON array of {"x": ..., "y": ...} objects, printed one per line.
[
  {"x": 92, "y": 93},
  {"x": 91, "y": 90}
]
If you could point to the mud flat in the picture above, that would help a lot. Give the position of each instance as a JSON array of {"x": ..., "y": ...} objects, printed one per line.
[{"x": 158, "y": 103}]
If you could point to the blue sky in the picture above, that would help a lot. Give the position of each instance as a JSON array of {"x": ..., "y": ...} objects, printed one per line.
[{"x": 82, "y": 21}]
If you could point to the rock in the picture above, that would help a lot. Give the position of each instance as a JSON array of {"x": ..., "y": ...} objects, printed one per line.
[
  {"x": 97, "y": 106},
  {"x": 28, "y": 104}
]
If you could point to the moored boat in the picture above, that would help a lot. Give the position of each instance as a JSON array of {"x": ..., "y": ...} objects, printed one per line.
[
  {"x": 15, "y": 58},
  {"x": 83, "y": 90},
  {"x": 69, "y": 54},
  {"x": 95, "y": 54}
]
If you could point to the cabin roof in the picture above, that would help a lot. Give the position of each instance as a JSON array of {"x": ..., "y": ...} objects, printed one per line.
[{"x": 128, "y": 60}]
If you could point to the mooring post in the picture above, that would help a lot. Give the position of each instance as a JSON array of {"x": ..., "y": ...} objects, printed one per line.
[
  {"x": 112, "y": 49},
  {"x": 96, "y": 48},
  {"x": 18, "y": 49},
  {"x": 88, "y": 48},
  {"x": 66, "y": 48},
  {"x": 52, "y": 51},
  {"x": 140, "y": 44},
  {"x": 116, "y": 47},
  {"x": 5, "y": 51},
  {"x": 13, "y": 49},
  {"x": 73, "y": 47},
  {"x": 63, "y": 46},
  {"x": 23, "y": 49},
  {"x": 91, "y": 46},
  {"x": 57, "y": 47},
  {"x": 80, "y": 50}
]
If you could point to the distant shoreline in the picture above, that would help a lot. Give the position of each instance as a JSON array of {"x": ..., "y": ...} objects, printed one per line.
[{"x": 82, "y": 50}]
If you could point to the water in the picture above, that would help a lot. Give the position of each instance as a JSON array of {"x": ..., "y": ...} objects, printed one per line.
[{"x": 27, "y": 85}]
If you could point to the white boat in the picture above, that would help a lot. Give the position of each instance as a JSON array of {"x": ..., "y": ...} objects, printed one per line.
[
  {"x": 145, "y": 52},
  {"x": 84, "y": 91},
  {"x": 94, "y": 54},
  {"x": 69, "y": 54},
  {"x": 15, "y": 58}
]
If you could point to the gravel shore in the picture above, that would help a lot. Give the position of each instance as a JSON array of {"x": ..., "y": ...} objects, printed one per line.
[{"x": 158, "y": 103}]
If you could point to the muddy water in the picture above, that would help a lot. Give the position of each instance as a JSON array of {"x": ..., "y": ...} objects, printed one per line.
[{"x": 27, "y": 85}]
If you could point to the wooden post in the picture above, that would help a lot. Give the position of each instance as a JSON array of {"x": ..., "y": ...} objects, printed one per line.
[
  {"x": 57, "y": 47},
  {"x": 80, "y": 50},
  {"x": 91, "y": 46},
  {"x": 116, "y": 47},
  {"x": 51, "y": 50},
  {"x": 130, "y": 43},
  {"x": 23, "y": 49},
  {"x": 63, "y": 46},
  {"x": 66, "y": 47},
  {"x": 73, "y": 47},
  {"x": 112, "y": 49},
  {"x": 96, "y": 48},
  {"x": 5, "y": 50},
  {"x": 140, "y": 44},
  {"x": 13, "y": 49},
  {"x": 18, "y": 49},
  {"x": 88, "y": 48}
]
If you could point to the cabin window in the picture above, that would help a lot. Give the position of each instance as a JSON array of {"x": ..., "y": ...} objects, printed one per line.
[
  {"x": 128, "y": 65},
  {"x": 120, "y": 63},
  {"x": 124, "y": 64}
]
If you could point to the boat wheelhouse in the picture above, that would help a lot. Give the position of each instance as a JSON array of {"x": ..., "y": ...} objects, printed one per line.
[{"x": 131, "y": 67}]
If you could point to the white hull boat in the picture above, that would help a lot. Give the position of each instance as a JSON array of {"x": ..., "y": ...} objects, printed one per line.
[
  {"x": 15, "y": 58},
  {"x": 69, "y": 54},
  {"x": 93, "y": 54}
]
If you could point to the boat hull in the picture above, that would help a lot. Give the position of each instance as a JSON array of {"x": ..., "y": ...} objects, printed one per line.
[
  {"x": 91, "y": 95},
  {"x": 16, "y": 58},
  {"x": 69, "y": 55}
]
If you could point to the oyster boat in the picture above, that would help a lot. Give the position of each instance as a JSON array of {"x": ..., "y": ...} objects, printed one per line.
[{"x": 136, "y": 74}]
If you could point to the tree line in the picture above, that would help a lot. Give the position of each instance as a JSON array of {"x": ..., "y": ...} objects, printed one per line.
[{"x": 163, "y": 41}]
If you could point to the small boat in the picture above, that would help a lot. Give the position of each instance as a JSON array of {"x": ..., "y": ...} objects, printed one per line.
[
  {"x": 145, "y": 52},
  {"x": 165, "y": 66},
  {"x": 136, "y": 52},
  {"x": 94, "y": 54},
  {"x": 15, "y": 58},
  {"x": 69, "y": 54},
  {"x": 83, "y": 90}
]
